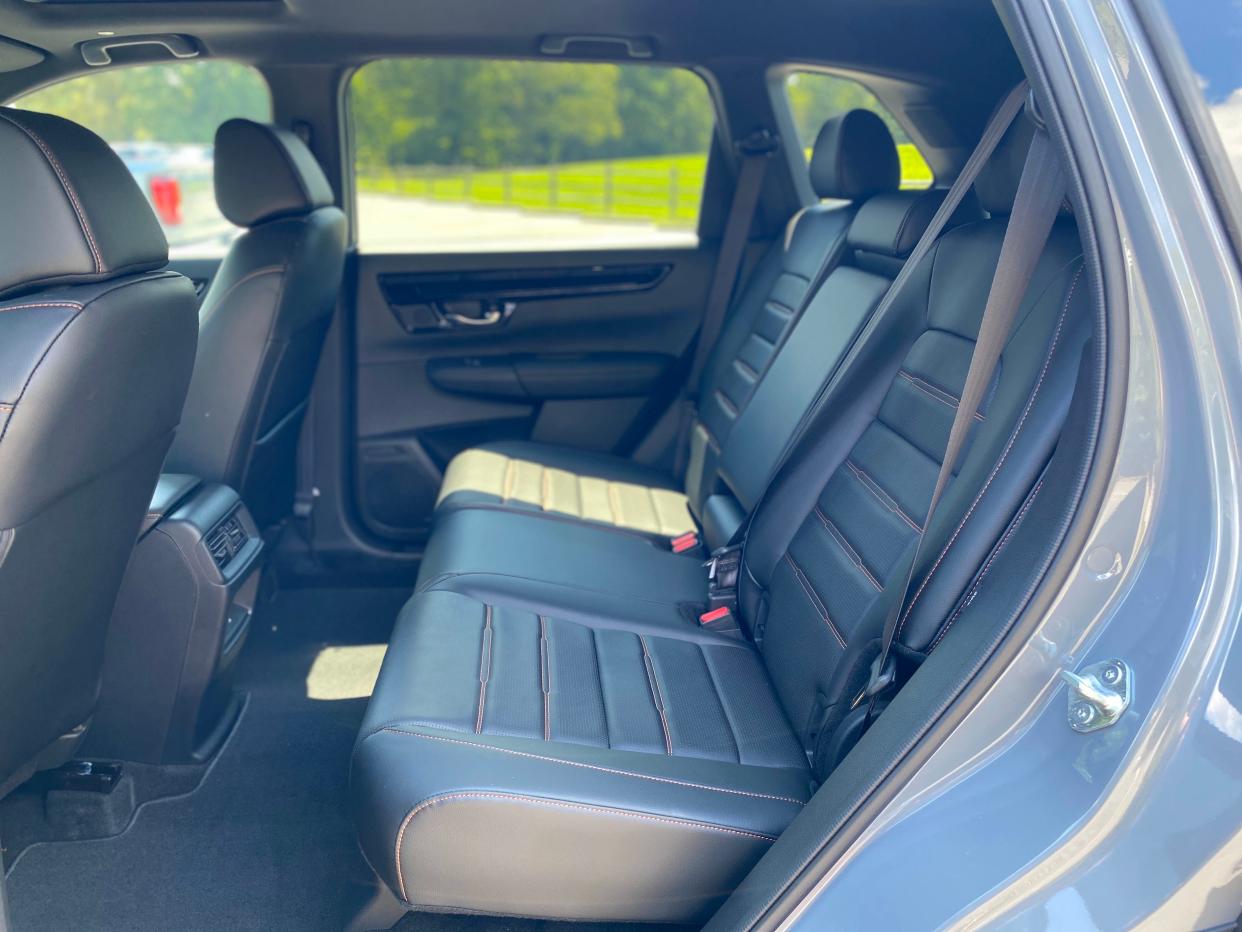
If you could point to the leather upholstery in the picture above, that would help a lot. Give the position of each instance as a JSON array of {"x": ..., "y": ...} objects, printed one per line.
[
  {"x": 854, "y": 157},
  {"x": 564, "y": 481},
  {"x": 553, "y": 734},
  {"x": 609, "y": 490},
  {"x": 263, "y": 321},
  {"x": 171, "y": 489},
  {"x": 93, "y": 371},
  {"x": 72, "y": 211},
  {"x": 263, "y": 172},
  {"x": 546, "y": 730}
]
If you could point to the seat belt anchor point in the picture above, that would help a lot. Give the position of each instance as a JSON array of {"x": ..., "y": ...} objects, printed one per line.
[
  {"x": 883, "y": 675},
  {"x": 761, "y": 141}
]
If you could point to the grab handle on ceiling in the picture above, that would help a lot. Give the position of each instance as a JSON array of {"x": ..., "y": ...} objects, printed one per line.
[{"x": 98, "y": 52}]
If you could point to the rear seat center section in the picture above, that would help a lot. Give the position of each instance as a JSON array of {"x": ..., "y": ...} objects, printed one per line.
[{"x": 854, "y": 163}]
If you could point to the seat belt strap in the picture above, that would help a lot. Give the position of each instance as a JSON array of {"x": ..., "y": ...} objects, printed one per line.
[
  {"x": 1041, "y": 191},
  {"x": 755, "y": 152},
  {"x": 306, "y": 493},
  {"x": 988, "y": 141}
]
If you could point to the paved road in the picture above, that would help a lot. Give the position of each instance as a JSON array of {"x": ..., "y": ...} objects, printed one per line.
[{"x": 405, "y": 224}]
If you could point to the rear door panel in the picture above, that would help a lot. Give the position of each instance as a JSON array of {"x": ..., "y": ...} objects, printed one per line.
[{"x": 580, "y": 349}]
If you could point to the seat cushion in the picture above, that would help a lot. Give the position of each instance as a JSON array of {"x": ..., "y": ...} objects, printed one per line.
[
  {"x": 561, "y": 481},
  {"x": 506, "y": 744}
]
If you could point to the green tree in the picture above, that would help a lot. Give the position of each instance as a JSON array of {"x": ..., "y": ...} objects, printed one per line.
[
  {"x": 815, "y": 98},
  {"x": 182, "y": 102}
]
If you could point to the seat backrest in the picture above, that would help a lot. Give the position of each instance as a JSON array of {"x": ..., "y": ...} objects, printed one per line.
[
  {"x": 264, "y": 319},
  {"x": 96, "y": 348},
  {"x": 880, "y": 238},
  {"x": 828, "y": 549},
  {"x": 854, "y": 159}
]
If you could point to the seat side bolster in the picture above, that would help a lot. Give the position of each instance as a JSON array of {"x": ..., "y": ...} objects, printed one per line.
[
  {"x": 644, "y": 800},
  {"x": 531, "y": 850}
]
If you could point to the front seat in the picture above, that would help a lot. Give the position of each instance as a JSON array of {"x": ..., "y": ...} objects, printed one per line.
[
  {"x": 96, "y": 348},
  {"x": 263, "y": 321}
]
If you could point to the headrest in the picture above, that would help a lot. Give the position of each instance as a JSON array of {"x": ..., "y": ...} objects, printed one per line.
[
  {"x": 72, "y": 212},
  {"x": 997, "y": 184},
  {"x": 891, "y": 224},
  {"x": 264, "y": 172},
  {"x": 854, "y": 157}
]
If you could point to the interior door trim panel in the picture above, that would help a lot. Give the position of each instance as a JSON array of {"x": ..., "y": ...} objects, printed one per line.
[
  {"x": 577, "y": 349},
  {"x": 537, "y": 377},
  {"x": 430, "y": 301}
]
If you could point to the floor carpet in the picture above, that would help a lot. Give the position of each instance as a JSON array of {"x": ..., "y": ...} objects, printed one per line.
[
  {"x": 263, "y": 839},
  {"x": 265, "y": 842}
]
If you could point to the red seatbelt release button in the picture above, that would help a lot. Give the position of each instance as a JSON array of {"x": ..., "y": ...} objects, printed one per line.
[
  {"x": 687, "y": 541},
  {"x": 716, "y": 614}
]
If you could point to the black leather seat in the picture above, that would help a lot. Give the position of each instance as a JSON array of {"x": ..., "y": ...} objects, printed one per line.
[
  {"x": 554, "y": 735},
  {"x": 96, "y": 348},
  {"x": 854, "y": 160},
  {"x": 264, "y": 319}
]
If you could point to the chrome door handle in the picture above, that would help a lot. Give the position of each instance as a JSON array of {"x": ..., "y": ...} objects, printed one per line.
[{"x": 495, "y": 315}]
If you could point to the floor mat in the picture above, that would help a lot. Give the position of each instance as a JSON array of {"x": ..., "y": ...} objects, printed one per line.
[{"x": 266, "y": 841}]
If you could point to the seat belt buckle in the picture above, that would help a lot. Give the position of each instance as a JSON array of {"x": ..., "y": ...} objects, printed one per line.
[
  {"x": 684, "y": 542},
  {"x": 722, "y": 571},
  {"x": 722, "y": 567},
  {"x": 716, "y": 614}
]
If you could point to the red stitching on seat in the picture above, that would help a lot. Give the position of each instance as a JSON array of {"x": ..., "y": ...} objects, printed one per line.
[
  {"x": 987, "y": 566},
  {"x": 558, "y": 804},
  {"x": 881, "y": 496},
  {"x": 656, "y": 698},
  {"x": 1013, "y": 437},
  {"x": 814, "y": 597},
  {"x": 64, "y": 183},
  {"x": 72, "y": 305},
  {"x": 485, "y": 665},
  {"x": 854, "y": 556},
  {"x": 602, "y": 769},
  {"x": 545, "y": 677},
  {"x": 935, "y": 392}
]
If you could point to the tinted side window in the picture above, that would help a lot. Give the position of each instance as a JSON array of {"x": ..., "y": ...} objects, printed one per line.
[
  {"x": 461, "y": 155},
  {"x": 161, "y": 120},
  {"x": 815, "y": 97}
]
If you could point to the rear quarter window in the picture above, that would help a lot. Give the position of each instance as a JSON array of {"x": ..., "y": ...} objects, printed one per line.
[{"x": 815, "y": 97}]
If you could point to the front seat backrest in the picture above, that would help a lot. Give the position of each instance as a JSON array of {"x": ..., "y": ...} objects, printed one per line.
[
  {"x": 96, "y": 348},
  {"x": 263, "y": 321}
]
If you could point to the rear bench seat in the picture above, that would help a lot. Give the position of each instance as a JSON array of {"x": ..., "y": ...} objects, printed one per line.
[
  {"x": 854, "y": 159},
  {"x": 556, "y": 741}
]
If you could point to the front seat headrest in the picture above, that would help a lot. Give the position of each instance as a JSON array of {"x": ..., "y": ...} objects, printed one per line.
[
  {"x": 854, "y": 157},
  {"x": 72, "y": 211},
  {"x": 264, "y": 172}
]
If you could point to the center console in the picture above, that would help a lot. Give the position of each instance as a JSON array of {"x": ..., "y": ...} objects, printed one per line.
[{"x": 180, "y": 622}]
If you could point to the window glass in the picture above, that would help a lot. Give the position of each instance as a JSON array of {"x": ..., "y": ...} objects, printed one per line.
[
  {"x": 815, "y": 97},
  {"x": 457, "y": 155},
  {"x": 161, "y": 120},
  {"x": 1211, "y": 34}
]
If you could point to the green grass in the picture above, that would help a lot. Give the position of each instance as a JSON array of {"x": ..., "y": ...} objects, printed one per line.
[{"x": 665, "y": 190}]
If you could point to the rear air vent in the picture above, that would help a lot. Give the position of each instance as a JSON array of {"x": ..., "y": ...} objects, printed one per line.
[{"x": 225, "y": 540}]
